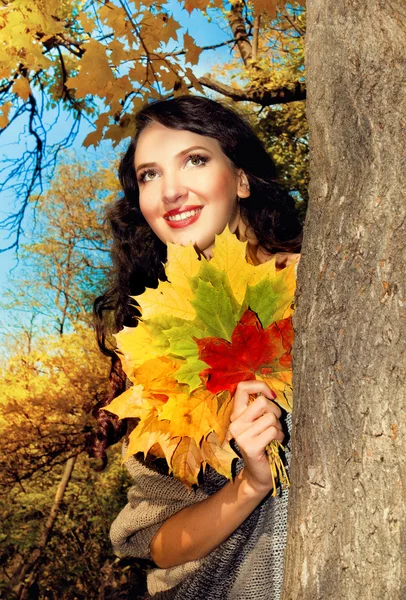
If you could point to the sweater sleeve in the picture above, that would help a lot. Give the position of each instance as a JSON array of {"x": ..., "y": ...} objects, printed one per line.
[{"x": 152, "y": 499}]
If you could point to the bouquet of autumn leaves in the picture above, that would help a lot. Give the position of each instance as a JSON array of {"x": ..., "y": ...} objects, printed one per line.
[{"x": 210, "y": 326}]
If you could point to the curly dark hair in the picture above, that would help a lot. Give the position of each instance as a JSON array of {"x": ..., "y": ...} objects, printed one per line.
[{"x": 139, "y": 255}]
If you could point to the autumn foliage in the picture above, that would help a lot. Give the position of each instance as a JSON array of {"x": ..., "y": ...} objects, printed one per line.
[{"x": 211, "y": 325}]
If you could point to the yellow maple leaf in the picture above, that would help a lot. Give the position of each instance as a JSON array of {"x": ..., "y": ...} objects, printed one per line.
[
  {"x": 281, "y": 383},
  {"x": 194, "y": 416},
  {"x": 5, "y": 109},
  {"x": 155, "y": 383},
  {"x": 146, "y": 434},
  {"x": 218, "y": 456},
  {"x": 229, "y": 255},
  {"x": 129, "y": 403},
  {"x": 136, "y": 346},
  {"x": 173, "y": 297},
  {"x": 157, "y": 376},
  {"x": 95, "y": 76}
]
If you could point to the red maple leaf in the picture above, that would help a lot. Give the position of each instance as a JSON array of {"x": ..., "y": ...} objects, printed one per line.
[{"x": 252, "y": 350}]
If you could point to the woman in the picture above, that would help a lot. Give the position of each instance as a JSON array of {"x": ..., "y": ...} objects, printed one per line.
[{"x": 193, "y": 168}]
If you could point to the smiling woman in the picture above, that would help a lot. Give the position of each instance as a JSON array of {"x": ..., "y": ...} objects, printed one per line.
[
  {"x": 193, "y": 168},
  {"x": 189, "y": 191}
]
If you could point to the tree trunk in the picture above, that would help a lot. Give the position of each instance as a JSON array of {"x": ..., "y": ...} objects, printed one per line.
[
  {"x": 27, "y": 572},
  {"x": 346, "y": 529}
]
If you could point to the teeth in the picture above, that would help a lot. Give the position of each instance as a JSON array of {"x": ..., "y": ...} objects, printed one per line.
[{"x": 184, "y": 215}]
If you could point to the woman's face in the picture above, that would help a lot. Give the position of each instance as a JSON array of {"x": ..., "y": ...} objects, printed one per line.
[{"x": 188, "y": 187}]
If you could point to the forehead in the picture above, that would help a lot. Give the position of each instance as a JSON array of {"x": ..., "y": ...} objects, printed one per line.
[{"x": 157, "y": 142}]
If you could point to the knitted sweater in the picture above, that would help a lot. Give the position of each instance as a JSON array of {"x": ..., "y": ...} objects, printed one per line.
[{"x": 247, "y": 566}]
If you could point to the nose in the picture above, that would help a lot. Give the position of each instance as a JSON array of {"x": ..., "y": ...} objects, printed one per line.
[{"x": 172, "y": 188}]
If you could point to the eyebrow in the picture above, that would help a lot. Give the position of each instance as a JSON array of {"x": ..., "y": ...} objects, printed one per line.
[{"x": 181, "y": 153}]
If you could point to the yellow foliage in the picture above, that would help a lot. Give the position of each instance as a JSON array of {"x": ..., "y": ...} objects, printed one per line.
[
  {"x": 22, "y": 88},
  {"x": 218, "y": 456},
  {"x": 95, "y": 76},
  {"x": 46, "y": 399},
  {"x": 173, "y": 296},
  {"x": 136, "y": 346},
  {"x": 186, "y": 460},
  {"x": 5, "y": 109}
]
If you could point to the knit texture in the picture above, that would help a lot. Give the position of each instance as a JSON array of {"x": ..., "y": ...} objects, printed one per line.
[{"x": 247, "y": 566}]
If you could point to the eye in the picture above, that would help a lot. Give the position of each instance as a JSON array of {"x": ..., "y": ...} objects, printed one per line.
[
  {"x": 196, "y": 160},
  {"x": 147, "y": 175}
]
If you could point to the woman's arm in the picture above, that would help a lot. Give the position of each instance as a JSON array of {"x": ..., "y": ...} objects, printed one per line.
[{"x": 196, "y": 530}]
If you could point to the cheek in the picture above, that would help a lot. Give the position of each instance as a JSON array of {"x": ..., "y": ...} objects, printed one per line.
[
  {"x": 224, "y": 188},
  {"x": 147, "y": 205}
]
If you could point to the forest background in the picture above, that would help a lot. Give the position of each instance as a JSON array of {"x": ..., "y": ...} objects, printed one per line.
[{"x": 74, "y": 72}]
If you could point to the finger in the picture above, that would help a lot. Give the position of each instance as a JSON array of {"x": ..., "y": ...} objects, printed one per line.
[
  {"x": 243, "y": 392},
  {"x": 268, "y": 436},
  {"x": 251, "y": 430},
  {"x": 257, "y": 408}
]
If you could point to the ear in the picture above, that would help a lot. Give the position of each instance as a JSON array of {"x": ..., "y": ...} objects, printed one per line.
[{"x": 243, "y": 189}]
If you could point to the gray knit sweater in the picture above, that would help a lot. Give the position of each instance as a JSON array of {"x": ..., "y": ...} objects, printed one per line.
[{"x": 247, "y": 566}]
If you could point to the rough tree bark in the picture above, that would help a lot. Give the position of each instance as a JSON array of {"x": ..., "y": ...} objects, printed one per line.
[{"x": 347, "y": 530}]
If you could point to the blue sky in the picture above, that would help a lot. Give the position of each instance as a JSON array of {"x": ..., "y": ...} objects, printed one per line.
[{"x": 15, "y": 139}]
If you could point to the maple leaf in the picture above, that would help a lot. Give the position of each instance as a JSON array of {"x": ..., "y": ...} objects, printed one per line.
[
  {"x": 5, "y": 109},
  {"x": 221, "y": 321},
  {"x": 155, "y": 384},
  {"x": 273, "y": 297},
  {"x": 22, "y": 88},
  {"x": 252, "y": 350},
  {"x": 129, "y": 403},
  {"x": 95, "y": 76},
  {"x": 219, "y": 457},
  {"x": 136, "y": 345},
  {"x": 182, "y": 344},
  {"x": 149, "y": 432},
  {"x": 173, "y": 297},
  {"x": 192, "y": 51},
  {"x": 194, "y": 416},
  {"x": 186, "y": 460}
]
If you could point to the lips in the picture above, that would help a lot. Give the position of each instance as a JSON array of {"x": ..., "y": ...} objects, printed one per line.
[{"x": 182, "y": 217}]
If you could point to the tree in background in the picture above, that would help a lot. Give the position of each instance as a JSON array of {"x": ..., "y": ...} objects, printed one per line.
[
  {"x": 55, "y": 508},
  {"x": 101, "y": 61},
  {"x": 66, "y": 258}
]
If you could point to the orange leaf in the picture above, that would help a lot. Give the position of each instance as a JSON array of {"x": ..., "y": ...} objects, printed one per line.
[
  {"x": 186, "y": 461},
  {"x": 22, "y": 88}
]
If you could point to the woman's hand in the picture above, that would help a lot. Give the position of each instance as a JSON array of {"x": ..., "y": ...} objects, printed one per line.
[{"x": 253, "y": 426}]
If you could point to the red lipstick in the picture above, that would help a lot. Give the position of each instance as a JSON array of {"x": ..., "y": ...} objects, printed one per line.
[{"x": 177, "y": 218}]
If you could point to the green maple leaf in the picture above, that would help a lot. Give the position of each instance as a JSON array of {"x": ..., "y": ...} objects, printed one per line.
[
  {"x": 269, "y": 299},
  {"x": 158, "y": 326},
  {"x": 182, "y": 344},
  {"x": 189, "y": 372},
  {"x": 215, "y": 309}
]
